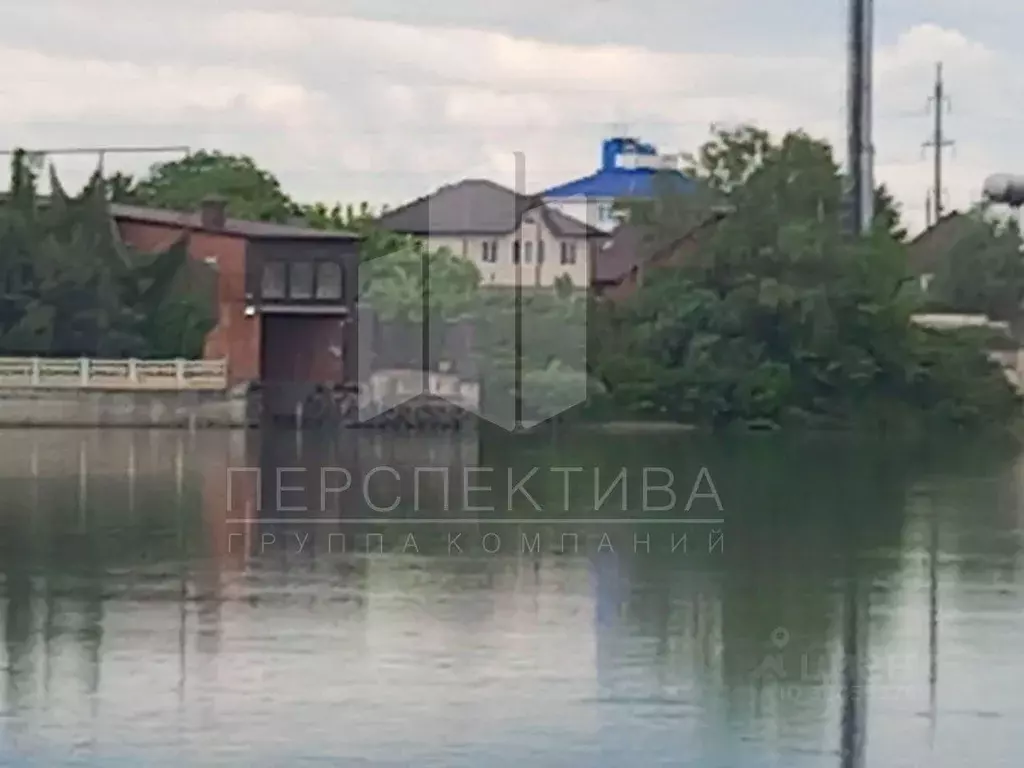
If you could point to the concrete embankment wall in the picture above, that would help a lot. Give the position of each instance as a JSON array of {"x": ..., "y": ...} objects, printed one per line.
[{"x": 69, "y": 407}]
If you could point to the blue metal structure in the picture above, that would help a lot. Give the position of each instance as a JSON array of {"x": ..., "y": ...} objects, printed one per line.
[{"x": 628, "y": 169}]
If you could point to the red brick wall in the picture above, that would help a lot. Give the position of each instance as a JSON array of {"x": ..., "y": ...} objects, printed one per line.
[{"x": 235, "y": 337}]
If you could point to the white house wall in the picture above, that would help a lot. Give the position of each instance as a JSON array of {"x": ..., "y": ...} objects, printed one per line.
[
  {"x": 597, "y": 212},
  {"x": 503, "y": 271}
]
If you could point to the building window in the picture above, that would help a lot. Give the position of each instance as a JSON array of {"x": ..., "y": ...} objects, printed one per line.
[
  {"x": 528, "y": 253},
  {"x": 273, "y": 280},
  {"x": 300, "y": 280},
  {"x": 540, "y": 251},
  {"x": 328, "y": 280},
  {"x": 605, "y": 213},
  {"x": 490, "y": 252},
  {"x": 517, "y": 249},
  {"x": 568, "y": 255}
]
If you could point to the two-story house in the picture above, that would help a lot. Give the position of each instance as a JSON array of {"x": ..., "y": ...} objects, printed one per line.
[{"x": 513, "y": 239}]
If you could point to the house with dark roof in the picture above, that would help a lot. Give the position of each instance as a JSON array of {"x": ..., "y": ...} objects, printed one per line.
[
  {"x": 513, "y": 239},
  {"x": 633, "y": 255},
  {"x": 630, "y": 169},
  {"x": 926, "y": 251},
  {"x": 286, "y": 295}
]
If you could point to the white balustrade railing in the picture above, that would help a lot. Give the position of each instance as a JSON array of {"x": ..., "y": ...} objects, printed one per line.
[{"x": 88, "y": 373}]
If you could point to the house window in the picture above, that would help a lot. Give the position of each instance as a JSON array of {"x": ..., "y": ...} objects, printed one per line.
[
  {"x": 490, "y": 252},
  {"x": 605, "y": 213},
  {"x": 328, "y": 280},
  {"x": 568, "y": 255},
  {"x": 273, "y": 280},
  {"x": 540, "y": 251},
  {"x": 300, "y": 280},
  {"x": 528, "y": 253},
  {"x": 517, "y": 248}
]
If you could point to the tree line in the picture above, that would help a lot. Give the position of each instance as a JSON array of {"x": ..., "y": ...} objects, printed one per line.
[
  {"x": 776, "y": 318},
  {"x": 779, "y": 317},
  {"x": 69, "y": 286}
]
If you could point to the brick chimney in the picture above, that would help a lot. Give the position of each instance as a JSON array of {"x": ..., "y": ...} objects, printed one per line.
[{"x": 213, "y": 212}]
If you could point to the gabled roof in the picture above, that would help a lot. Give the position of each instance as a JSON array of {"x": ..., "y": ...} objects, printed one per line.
[
  {"x": 619, "y": 256},
  {"x": 630, "y": 246},
  {"x": 623, "y": 183},
  {"x": 927, "y": 248},
  {"x": 253, "y": 230},
  {"x": 478, "y": 207}
]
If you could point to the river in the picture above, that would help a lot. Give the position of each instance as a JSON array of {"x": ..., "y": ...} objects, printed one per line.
[{"x": 822, "y": 601}]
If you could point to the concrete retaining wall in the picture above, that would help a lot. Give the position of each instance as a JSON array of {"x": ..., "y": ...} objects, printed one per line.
[{"x": 41, "y": 407}]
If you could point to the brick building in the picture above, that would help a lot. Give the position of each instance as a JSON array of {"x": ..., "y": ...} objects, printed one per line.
[{"x": 286, "y": 295}]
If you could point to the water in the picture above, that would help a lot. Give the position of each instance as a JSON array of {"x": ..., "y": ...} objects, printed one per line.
[{"x": 866, "y": 608}]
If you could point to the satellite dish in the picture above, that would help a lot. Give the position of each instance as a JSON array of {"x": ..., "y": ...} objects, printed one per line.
[{"x": 1004, "y": 188}]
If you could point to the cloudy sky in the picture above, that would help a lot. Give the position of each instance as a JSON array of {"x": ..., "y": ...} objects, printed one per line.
[{"x": 385, "y": 100}]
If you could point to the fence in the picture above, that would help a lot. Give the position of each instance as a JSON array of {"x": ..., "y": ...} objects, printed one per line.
[{"x": 85, "y": 373}]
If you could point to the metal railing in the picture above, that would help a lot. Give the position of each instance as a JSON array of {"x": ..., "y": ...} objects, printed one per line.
[{"x": 87, "y": 373}]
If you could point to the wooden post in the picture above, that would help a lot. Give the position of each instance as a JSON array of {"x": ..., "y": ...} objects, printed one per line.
[
  {"x": 83, "y": 371},
  {"x": 36, "y": 372}
]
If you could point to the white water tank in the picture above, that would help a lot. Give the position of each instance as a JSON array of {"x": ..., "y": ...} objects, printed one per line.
[{"x": 1004, "y": 188}]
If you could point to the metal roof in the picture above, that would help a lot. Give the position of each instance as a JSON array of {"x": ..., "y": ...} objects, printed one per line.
[
  {"x": 478, "y": 207},
  {"x": 623, "y": 183},
  {"x": 254, "y": 230}
]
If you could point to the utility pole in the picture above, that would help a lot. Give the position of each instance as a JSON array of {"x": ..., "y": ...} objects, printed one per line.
[
  {"x": 939, "y": 102},
  {"x": 860, "y": 149}
]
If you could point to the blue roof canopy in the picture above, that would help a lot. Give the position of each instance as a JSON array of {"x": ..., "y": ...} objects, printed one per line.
[{"x": 614, "y": 181}]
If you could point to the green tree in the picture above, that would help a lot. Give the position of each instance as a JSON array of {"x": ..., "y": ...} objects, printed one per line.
[
  {"x": 888, "y": 214},
  {"x": 400, "y": 277},
  {"x": 779, "y": 317},
  {"x": 338, "y": 217},
  {"x": 251, "y": 192},
  {"x": 71, "y": 287},
  {"x": 722, "y": 166},
  {"x": 982, "y": 268}
]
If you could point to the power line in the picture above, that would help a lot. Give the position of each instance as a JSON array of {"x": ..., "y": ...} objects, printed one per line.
[
  {"x": 939, "y": 102},
  {"x": 100, "y": 152}
]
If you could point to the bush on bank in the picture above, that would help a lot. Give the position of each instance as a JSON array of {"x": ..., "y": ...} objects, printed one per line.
[{"x": 778, "y": 318}]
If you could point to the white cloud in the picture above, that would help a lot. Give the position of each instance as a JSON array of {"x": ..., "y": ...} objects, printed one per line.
[{"x": 350, "y": 108}]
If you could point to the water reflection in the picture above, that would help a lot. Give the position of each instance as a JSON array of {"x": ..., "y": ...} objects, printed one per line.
[{"x": 865, "y": 608}]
